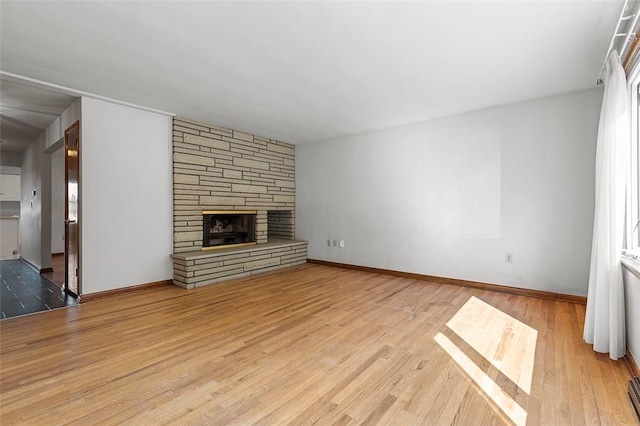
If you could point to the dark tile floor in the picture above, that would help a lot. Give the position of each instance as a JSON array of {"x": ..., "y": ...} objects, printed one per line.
[{"x": 24, "y": 290}]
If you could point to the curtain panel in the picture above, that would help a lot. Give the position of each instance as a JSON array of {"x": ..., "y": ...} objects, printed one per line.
[{"x": 605, "y": 315}]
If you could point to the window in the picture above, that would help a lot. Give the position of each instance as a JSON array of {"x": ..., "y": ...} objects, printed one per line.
[{"x": 632, "y": 234}]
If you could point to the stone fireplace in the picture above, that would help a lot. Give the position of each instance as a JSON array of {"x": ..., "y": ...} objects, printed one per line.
[{"x": 229, "y": 173}]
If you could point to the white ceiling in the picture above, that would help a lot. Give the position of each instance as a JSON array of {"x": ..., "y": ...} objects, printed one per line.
[
  {"x": 309, "y": 71},
  {"x": 26, "y": 111}
]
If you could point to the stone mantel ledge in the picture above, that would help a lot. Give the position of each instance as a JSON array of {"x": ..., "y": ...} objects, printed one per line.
[{"x": 205, "y": 254}]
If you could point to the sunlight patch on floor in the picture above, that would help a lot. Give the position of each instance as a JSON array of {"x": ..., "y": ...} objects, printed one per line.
[
  {"x": 508, "y": 344},
  {"x": 510, "y": 407}
]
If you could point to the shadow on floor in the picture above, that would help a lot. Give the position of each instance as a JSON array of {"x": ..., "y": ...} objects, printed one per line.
[{"x": 25, "y": 291}]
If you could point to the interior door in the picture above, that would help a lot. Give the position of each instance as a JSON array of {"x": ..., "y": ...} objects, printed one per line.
[{"x": 71, "y": 198}]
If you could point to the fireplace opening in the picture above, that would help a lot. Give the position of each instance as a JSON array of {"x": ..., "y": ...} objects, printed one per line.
[{"x": 224, "y": 228}]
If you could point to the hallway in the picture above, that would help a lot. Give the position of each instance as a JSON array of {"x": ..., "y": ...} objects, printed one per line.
[{"x": 25, "y": 291}]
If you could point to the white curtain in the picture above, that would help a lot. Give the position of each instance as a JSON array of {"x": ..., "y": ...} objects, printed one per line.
[{"x": 605, "y": 318}]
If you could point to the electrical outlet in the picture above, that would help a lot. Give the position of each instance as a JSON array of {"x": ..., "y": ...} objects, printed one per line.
[
  {"x": 341, "y": 243},
  {"x": 508, "y": 258}
]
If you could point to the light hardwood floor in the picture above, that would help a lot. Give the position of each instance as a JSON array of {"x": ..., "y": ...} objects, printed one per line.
[{"x": 311, "y": 344}]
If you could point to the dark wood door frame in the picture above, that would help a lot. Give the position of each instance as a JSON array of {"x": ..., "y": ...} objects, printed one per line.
[{"x": 72, "y": 283}]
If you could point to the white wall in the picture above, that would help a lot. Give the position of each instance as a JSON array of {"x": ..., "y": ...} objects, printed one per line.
[
  {"x": 30, "y": 205},
  {"x": 126, "y": 196},
  {"x": 632, "y": 304},
  {"x": 57, "y": 202},
  {"x": 450, "y": 197}
]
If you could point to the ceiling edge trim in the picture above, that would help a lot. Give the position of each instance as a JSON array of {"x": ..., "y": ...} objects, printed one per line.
[{"x": 17, "y": 78}]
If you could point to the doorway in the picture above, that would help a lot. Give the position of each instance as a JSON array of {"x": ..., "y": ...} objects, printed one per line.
[
  {"x": 26, "y": 287},
  {"x": 33, "y": 128}
]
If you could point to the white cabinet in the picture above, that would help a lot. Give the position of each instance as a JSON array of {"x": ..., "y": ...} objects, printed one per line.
[
  {"x": 10, "y": 237},
  {"x": 9, "y": 187}
]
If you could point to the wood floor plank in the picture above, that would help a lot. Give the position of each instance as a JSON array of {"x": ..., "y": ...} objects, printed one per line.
[{"x": 311, "y": 344}]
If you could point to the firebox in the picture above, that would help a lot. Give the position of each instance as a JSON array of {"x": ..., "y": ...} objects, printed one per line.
[{"x": 224, "y": 228}]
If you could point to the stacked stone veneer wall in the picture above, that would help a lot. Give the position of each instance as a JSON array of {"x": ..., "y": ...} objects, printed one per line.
[
  {"x": 216, "y": 168},
  {"x": 197, "y": 269}
]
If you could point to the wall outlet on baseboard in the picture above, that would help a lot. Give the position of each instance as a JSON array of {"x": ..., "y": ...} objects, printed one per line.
[{"x": 508, "y": 258}]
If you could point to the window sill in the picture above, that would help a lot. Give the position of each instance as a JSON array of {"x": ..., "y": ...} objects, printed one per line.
[{"x": 630, "y": 264}]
